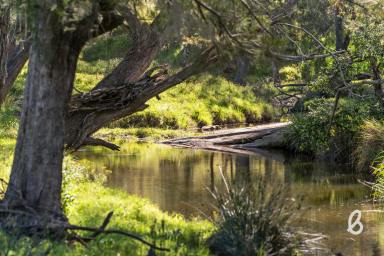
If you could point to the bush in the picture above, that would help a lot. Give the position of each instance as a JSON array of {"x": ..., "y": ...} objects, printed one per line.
[
  {"x": 311, "y": 131},
  {"x": 253, "y": 220}
]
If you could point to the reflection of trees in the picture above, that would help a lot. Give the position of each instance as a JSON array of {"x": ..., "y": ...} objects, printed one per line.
[
  {"x": 212, "y": 171},
  {"x": 243, "y": 171},
  {"x": 170, "y": 177}
]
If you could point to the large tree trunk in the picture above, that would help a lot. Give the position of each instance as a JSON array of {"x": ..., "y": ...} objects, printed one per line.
[
  {"x": 36, "y": 175},
  {"x": 16, "y": 60},
  {"x": 4, "y": 45},
  {"x": 12, "y": 56},
  {"x": 378, "y": 88}
]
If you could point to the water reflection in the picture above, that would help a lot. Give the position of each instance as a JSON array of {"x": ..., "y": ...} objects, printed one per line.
[{"x": 178, "y": 181}]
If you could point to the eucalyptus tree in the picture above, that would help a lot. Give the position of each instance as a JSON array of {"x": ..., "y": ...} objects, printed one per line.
[
  {"x": 14, "y": 49},
  {"x": 53, "y": 117}
]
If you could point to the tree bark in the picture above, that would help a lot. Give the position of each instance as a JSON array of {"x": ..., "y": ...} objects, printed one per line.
[
  {"x": 36, "y": 175},
  {"x": 339, "y": 30},
  {"x": 12, "y": 56},
  {"x": 242, "y": 69},
  {"x": 379, "y": 93},
  {"x": 91, "y": 111},
  {"x": 4, "y": 48},
  {"x": 342, "y": 38}
]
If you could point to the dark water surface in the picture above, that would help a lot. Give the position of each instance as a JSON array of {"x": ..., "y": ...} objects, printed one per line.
[{"x": 177, "y": 180}]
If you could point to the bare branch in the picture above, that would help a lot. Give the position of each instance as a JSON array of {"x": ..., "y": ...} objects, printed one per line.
[
  {"x": 99, "y": 142},
  {"x": 299, "y": 58}
]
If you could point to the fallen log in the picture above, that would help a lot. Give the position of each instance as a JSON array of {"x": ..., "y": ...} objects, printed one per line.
[{"x": 261, "y": 136}]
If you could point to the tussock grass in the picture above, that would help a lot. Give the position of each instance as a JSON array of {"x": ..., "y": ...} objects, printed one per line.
[
  {"x": 254, "y": 220},
  {"x": 370, "y": 144}
]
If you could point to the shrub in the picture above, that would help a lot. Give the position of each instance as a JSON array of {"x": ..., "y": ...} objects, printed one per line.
[
  {"x": 378, "y": 171},
  {"x": 311, "y": 131}
]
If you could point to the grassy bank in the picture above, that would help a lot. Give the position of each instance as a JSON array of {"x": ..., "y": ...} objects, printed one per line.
[
  {"x": 146, "y": 134},
  {"x": 86, "y": 202},
  {"x": 206, "y": 101}
]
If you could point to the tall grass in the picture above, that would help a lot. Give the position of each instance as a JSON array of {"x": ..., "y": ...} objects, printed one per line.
[
  {"x": 370, "y": 144},
  {"x": 253, "y": 220}
]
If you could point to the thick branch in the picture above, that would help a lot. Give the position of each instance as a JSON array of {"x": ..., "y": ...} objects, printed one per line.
[
  {"x": 91, "y": 111},
  {"x": 299, "y": 58},
  {"x": 148, "y": 39},
  {"x": 99, "y": 142}
]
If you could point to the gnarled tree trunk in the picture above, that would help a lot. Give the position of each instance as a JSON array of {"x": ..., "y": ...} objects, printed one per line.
[
  {"x": 36, "y": 175},
  {"x": 91, "y": 111},
  {"x": 128, "y": 87}
]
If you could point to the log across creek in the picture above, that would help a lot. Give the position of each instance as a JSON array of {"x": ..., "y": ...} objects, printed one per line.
[{"x": 237, "y": 140}]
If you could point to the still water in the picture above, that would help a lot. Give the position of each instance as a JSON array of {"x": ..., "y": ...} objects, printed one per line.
[{"x": 178, "y": 180}]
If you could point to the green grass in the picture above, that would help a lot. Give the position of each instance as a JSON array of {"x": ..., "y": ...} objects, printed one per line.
[
  {"x": 91, "y": 203},
  {"x": 149, "y": 134},
  {"x": 86, "y": 202},
  {"x": 204, "y": 101}
]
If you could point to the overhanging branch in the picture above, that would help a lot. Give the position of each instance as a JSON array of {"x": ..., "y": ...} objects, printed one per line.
[{"x": 299, "y": 58}]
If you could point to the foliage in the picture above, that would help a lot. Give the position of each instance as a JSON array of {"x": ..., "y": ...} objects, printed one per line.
[
  {"x": 253, "y": 220},
  {"x": 346, "y": 76},
  {"x": 311, "y": 131},
  {"x": 130, "y": 213}
]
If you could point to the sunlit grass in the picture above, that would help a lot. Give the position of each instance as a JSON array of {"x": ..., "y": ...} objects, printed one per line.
[
  {"x": 86, "y": 202},
  {"x": 204, "y": 101},
  {"x": 149, "y": 134},
  {"x": 370, "y": 143}
]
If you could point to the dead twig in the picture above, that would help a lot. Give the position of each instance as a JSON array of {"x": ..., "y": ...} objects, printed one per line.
[{"x": 47, "y": 223}]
